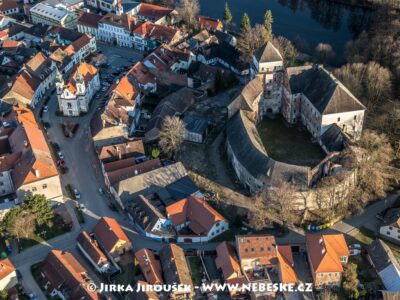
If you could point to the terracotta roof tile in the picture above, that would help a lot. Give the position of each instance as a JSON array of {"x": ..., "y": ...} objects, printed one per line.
[
  {"x": 91, "y": 248},
  {"x": 6, "y": 268},
  {"x": 88, "y": 19},
  {"x": 108, "y": 232},
  {"x": 153, "y": 12},
  {"x": 227, "y": 262},
  {"x": 149, "y": 265},
  {"x": 210, "y": 23},
  {"x": 286, "y": 264},
  {"x": 202, "y": 216},
  {"x": 261, "y": 247},
  {"x": 325, "y": 251}
]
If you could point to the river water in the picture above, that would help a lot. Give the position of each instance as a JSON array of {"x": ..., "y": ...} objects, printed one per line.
[{"x": 306, "y": 22}]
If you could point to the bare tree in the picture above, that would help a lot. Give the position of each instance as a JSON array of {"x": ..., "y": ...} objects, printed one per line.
[
  {"x": 352, "y": 76},
  {"x": 251, "y": 40},
  {"x": 172, "y": 135},
  {"x": 258, "y": 216},
  {"x": 24, "y": 226},
  {"x": 377, "y": 83},
  {"x": 324, "y": 53},
  {"x": 286, "y": 48},
  {"x": 327, "y": 294},
  {"x": 188, "y": 11}
]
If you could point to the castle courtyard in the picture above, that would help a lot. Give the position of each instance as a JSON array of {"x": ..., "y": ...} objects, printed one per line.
[{"x": 289, "y": 144}]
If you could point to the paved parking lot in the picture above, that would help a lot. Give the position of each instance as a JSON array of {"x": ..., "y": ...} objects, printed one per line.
[{"x": 119, "y": 56}]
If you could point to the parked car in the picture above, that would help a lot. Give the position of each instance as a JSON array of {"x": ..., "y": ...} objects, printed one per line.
[
  {"x": 77, "y": 194},
  {"x": 60, "y": 162},
  {"x": 82, "y": 207},
  {"x": 56, "y": 147},
  {"x": 45, "y": 108},
  {"x": 101, "y": 191},
  {"x": 46, "y": 125},
  {"x": 60, "y": 155}
]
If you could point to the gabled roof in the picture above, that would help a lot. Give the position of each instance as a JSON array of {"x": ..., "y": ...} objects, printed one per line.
[
  {"x": 228, "y": 263},
  {"x": 30, "y": 159},
  {"x": 327, "y": 94},
  {"x": 7, "y": 5},
  {"x": 174, "y": 265},
  {"x": 91, "y": 248},
  {"x": 108, "y": 232},
  {"x": 149, "y": 265},
  {"x": 392, "y": 218},
  {"x": 210, "y": 23},
  {"x": 386, "y": 264},
  {"x": 126, "y": 90},
  {"x": 249, "y": 94},
  {"x": 6, "y": 268},
  {"x": 153, "y": 12},
  {"x": 121, "y": 151},
  {"x": 65, "y": 273},
  {"x": 89, "y": 19},
  {"x": 286, "y": 264},
  {"x": 325, "y": 252},
  {"x": 261, "y": 247},
  {"x": 197, "y": 212},
  {"x": 268, "y": 53}
]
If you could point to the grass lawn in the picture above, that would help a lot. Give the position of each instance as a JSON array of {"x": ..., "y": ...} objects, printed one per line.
[
  {"x": 42, "y": 234},
  {"x": 289, "y": 144},
  {"x": 196, "y": 269}
]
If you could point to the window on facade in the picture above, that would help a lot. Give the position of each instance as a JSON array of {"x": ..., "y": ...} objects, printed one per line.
[
  {"x": 34, "y": 189},
  {"x": 388, "y": 232},
  {"x": 44, "y": 186},
  {"x": 262, "y": 249},
  {"x": 245, "y": 250},
  {"x": 252, "y": 249},
  {"x": 1, "y": 183},
  {"x": 69, "y": 105},
  {"x": 338, "y": 119},
  {"x": 355, "y": 117},
  {"x": 217, "y": 224},
  {"x": 390, "y": 227}
]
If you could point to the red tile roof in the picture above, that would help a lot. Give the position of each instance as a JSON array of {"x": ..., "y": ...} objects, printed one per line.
[
  {"x": 210, "y": 23},
  {"x": 7, "y": 5},
  {"x": 202, "y": 216},
  {"x": 286, "y": 264},
  {"x": 62, "y": 269},
  {"x": 142, "y": 74},
  {"x": 260, "y": 247},
  {"x": 108, "y": 232},
  {"x": 89, "y": 19},
  {"x": 87, "y": 71},
  {"x": 325, "y": 251},
  {"x": 150, "y": 266},
  {"x": 91, "y": 248},
  {"x": 6, "y": 268},
  {"x": 228, "y": 263},
  {"x": 154, "y": 12}
]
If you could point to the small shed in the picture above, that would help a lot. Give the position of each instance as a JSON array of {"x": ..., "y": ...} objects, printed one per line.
[{"x": 196, "y": 129}]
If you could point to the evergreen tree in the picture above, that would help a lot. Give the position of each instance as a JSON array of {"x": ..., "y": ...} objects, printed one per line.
[
  {"x": 227, "y": 14},
  {"x": 40, "y": 207},
  {"x": 268, "y": 20},
  {"x": 245, "y": 24}
]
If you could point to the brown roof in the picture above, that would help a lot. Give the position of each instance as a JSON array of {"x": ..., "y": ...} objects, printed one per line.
[
  {"x": 7, "y": 5},
  {"x": 149, "y": 265},
  {"x": 202, "y": 216},
  {"x": 227, "y": 262},
  {"x": 154, "y": 12},
  {"x": 31, "y": 158},
  {"x": 121, "y": 151},
  {"x": 125, "y": 21},
  {"x": 25, "y": 84},
  {"x": 142, "y": 295},
  {"x": 132, "y": 170},
  {"x": 142, "y": 74},
  {"x": 260, "y": 247},
  {"x": 325, "y": 251},
  {"x": 286, "y": 264},
  {"x": 91, "y": 248},
  {"x": 210, "y": 23},
  {"x": 108, "y": 232},
  {"x": 64, "y": 272},
  {"x": 174, "y": 265},
  {"x": 88, "y": 19},
  {"x": 6, "y": 268}
]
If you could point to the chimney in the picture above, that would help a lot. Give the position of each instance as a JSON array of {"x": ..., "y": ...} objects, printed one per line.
[{"x": 37, "y": 173}]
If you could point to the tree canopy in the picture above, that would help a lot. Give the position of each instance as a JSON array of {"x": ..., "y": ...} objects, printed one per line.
[
  {"x": 245, "y": 24},
  {"x": 227, "y": 14}
]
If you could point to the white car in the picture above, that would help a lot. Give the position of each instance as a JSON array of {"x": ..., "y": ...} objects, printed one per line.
[
  {"x": 45, "y": 108},
  {"x": 60, "y": 155},
  {"x": 77, "y": 194},
  {"x": 82, "y": 207}
]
